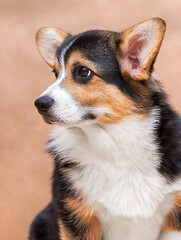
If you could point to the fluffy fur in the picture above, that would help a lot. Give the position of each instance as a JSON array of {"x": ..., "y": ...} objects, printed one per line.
[{"x": 116, "y": 144}]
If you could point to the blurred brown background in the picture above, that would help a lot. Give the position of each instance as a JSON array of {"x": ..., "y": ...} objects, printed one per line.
[{"x": 25, "y": 168}]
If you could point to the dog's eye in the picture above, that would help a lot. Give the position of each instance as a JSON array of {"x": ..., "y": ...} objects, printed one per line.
[
  {"x": 82, "y": 74},
  {"x": 56, "y": 74}
]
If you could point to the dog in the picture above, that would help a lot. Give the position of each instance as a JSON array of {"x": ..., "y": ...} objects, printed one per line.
[{"x": 117, "y": 141}]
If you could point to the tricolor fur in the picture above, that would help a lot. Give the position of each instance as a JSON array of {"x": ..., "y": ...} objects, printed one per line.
[{"x": 117, "y": 142}]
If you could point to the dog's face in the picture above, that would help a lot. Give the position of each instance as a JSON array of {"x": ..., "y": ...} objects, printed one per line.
[{"x": 101, "y": 76}]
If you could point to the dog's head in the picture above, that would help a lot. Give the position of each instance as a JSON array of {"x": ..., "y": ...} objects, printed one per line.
[{"x": 101, "y": 76}]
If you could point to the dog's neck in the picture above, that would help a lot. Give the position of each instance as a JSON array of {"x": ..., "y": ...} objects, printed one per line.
[
  {"x": 130, "y": 138},
  {"x": 113, "y": 158}
]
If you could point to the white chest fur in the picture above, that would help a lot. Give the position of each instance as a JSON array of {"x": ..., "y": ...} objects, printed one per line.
[{"x": 118, "y": 172}]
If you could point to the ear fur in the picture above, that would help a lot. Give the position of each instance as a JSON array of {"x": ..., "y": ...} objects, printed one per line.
[
  {"x": 48, "y": 39},
  {"x": 139, "y": 47}
]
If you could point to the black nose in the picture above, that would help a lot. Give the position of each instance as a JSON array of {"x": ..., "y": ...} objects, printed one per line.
[{"x": 43, "y": 103}]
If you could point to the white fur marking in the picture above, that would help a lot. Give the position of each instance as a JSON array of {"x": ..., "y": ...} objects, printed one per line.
[
  {"x": 171, "y": 236},
  {"x": 118, "y": 174}
]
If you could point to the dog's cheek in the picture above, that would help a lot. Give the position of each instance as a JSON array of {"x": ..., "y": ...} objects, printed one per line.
[
  {"x": 120, "y": 106},
  {"x": 106, "y": 100}
]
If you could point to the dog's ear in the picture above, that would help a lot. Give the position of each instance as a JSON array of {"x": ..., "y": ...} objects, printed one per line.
[
  {"x": 48, "y": 39},
  {"x": 138, "y": 47}
]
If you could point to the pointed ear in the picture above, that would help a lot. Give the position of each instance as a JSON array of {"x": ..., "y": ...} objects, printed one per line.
[
  {"x": 48, "y": 39},
  {"x": 139, "y": 47}
]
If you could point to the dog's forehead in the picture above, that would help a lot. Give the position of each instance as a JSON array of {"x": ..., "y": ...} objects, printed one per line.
[
  {"x": 99, "y": 47},
  {"x": 94, "y": 45}
]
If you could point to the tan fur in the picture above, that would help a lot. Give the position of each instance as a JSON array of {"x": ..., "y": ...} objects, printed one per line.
[
  {"x": 84, "y": 213},
  {"x": 57, "y": 66},
  {"x": 171, "y": 223},
  {"x": 87, "y": 216},
  {"x": 98, "y": 93},
  {"x": 64, "y": 234}
]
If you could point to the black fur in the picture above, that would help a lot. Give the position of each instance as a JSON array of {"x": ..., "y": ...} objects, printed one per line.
[
  {"x": 174, "y": 218},
  {"x": 62, "y": 188},
  {"x": 99, "y": 47},
  {"x": 44, "y": 226},
  {"x": 169, "y": 138}
]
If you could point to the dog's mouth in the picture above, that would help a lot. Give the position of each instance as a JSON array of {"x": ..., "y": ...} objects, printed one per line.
[
  {"x": 47, "y": 117},
  {"x": 51, "y": 119},
  {"x": 47, "y": 120}
]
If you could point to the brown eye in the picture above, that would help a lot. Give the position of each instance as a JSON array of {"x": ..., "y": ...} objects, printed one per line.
[{"x": 82, "y": 74}]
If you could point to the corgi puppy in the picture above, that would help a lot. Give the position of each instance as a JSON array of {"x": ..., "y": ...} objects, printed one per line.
[{"x": 117, "y": 141}]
